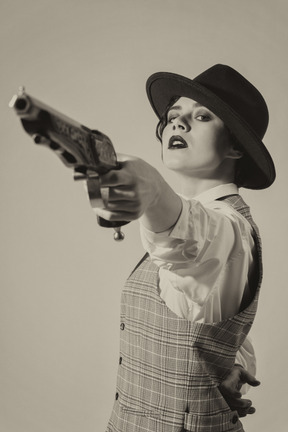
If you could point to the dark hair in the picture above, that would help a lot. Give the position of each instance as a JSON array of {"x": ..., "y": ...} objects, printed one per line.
[
  {"x": 242, "y": 165},
  {"x": 163, "y": 119}
]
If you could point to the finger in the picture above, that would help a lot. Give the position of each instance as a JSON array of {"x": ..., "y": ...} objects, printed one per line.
[
  {"x": 236, "y": 394},
  {"x": 122, "y": 157},
  {"x": 251, "y": 410},
  {"x": 112, "y": 178},
  {"x": 121, "y": 194},
  {"x": 115, "y": 216},
  {"x": 244, "y": 413},
  {"x": 229, "y": 393},
  {"x": 241, "y": 404},
  {"x": 253, "y": 382},
  {"x": 246, "y": 377},
  {"x": 122, "y": 206}
]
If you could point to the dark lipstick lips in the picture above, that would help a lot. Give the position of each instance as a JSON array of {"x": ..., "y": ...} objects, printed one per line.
[{"x": 177, "y": 142}]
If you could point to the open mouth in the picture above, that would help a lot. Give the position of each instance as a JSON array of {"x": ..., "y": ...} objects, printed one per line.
[{"x": 177, "y": 142}]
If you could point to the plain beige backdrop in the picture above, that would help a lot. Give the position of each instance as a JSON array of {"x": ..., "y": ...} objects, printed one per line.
[{"x": 61, "y": 274}]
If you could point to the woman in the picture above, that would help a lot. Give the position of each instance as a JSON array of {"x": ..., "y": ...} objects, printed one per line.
[{"x": 188, "y": 307}]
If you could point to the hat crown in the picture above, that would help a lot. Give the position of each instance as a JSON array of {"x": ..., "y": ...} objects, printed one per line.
[{"x": 237, "y": 92}]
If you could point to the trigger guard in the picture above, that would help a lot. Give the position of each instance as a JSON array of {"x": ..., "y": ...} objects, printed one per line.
[{"x": 94, "y": 192}]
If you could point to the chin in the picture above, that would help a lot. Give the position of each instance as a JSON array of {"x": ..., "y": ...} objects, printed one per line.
[
  {"x": 176, "y": 164},
  {"x": 173, "y": 166}
]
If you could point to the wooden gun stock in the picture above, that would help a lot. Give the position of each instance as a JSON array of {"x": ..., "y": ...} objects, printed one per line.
[{"x": 88, "y": 152}]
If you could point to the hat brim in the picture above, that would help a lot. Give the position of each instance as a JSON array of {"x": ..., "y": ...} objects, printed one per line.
[{"x": 163, "y": 86}]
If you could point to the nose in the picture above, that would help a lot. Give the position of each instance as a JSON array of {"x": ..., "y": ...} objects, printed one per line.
[{"x": 181, "y": 123}]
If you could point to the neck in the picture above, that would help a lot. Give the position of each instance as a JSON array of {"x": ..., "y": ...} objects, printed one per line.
[
  {"x": 191, "y": 186},
  {"x": 194, "y": 187}
]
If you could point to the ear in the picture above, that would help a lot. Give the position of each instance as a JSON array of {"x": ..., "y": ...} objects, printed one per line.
[{"x": 234, "y": 153}]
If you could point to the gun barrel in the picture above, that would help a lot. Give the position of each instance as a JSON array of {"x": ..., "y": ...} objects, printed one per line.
[
  {"x": 25, "y": 106},
  {"x": 21, "y": 104},
  {"x": 76, "y": 145},
  {"x": 89, "y": 152}
]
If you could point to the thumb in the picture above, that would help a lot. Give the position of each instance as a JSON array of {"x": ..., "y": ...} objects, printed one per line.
[
  {"x": 121, "y": 157},
  {"x": 246, "y": 377}
]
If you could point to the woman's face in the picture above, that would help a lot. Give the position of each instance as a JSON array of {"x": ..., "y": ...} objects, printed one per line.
[{"x": 195, "y": 141}]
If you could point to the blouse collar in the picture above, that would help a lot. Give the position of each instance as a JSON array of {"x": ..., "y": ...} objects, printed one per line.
[{"x": 217, "y": 192}]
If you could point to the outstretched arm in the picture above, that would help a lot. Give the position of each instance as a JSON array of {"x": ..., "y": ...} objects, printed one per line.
[{"x": 138, "y": 190}]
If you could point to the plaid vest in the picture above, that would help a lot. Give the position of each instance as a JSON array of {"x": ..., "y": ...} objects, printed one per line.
[{"x": 170, "y": 368}]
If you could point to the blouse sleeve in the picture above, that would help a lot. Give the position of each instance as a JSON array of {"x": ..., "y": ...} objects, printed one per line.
[
  {"x": 246, "y": 358},
  {"x": 196, "y": 229}
]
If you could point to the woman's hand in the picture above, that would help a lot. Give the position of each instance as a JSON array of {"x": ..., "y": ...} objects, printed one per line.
[
  {"x": 138, "y": 190},
  {"x": 132, "y": 189},
  {"x": 230, "y": 389}
]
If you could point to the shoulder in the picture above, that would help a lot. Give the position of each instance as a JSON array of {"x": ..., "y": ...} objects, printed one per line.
[{"x": 225, "y": 210}]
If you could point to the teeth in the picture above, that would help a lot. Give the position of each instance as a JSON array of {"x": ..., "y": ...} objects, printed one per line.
[{"x": 177, "y": 142}]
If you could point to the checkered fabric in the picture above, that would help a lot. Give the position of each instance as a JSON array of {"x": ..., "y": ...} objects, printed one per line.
[{"x": 170, "y": 368}]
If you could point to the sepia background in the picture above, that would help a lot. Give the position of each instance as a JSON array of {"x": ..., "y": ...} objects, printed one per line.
[{"x": 61, "y": 274}]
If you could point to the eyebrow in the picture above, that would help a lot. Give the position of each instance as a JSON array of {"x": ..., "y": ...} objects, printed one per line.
[{"x": 178, "y": 107}]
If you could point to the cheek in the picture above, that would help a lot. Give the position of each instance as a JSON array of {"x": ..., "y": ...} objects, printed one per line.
[
  {"x": 222, "y": 146},
  {"x": 220, "y": 142},
  {"x": 164, "y": 136}
]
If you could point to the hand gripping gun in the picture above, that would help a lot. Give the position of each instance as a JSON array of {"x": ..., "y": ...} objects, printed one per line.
[{"x": 89, "y": 152}]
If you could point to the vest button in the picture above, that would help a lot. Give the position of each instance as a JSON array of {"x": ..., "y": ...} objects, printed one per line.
[
  {"x": 122, "y": 326},
  {"x": 234, "y": 419},
  {"x": 120, "y": 360},
  {"x": 116, "y": 395}
]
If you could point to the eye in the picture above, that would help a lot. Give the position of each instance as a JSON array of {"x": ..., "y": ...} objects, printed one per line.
[
  {"x": 171, "y": 118},
  {"x": 203, "y": 117}
]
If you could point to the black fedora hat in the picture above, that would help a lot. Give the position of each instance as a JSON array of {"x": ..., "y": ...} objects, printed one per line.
[{"x": 235, "y": 101}]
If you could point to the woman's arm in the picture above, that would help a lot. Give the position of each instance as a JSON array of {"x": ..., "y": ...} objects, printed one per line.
[{"x": 138, "y": 190}]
